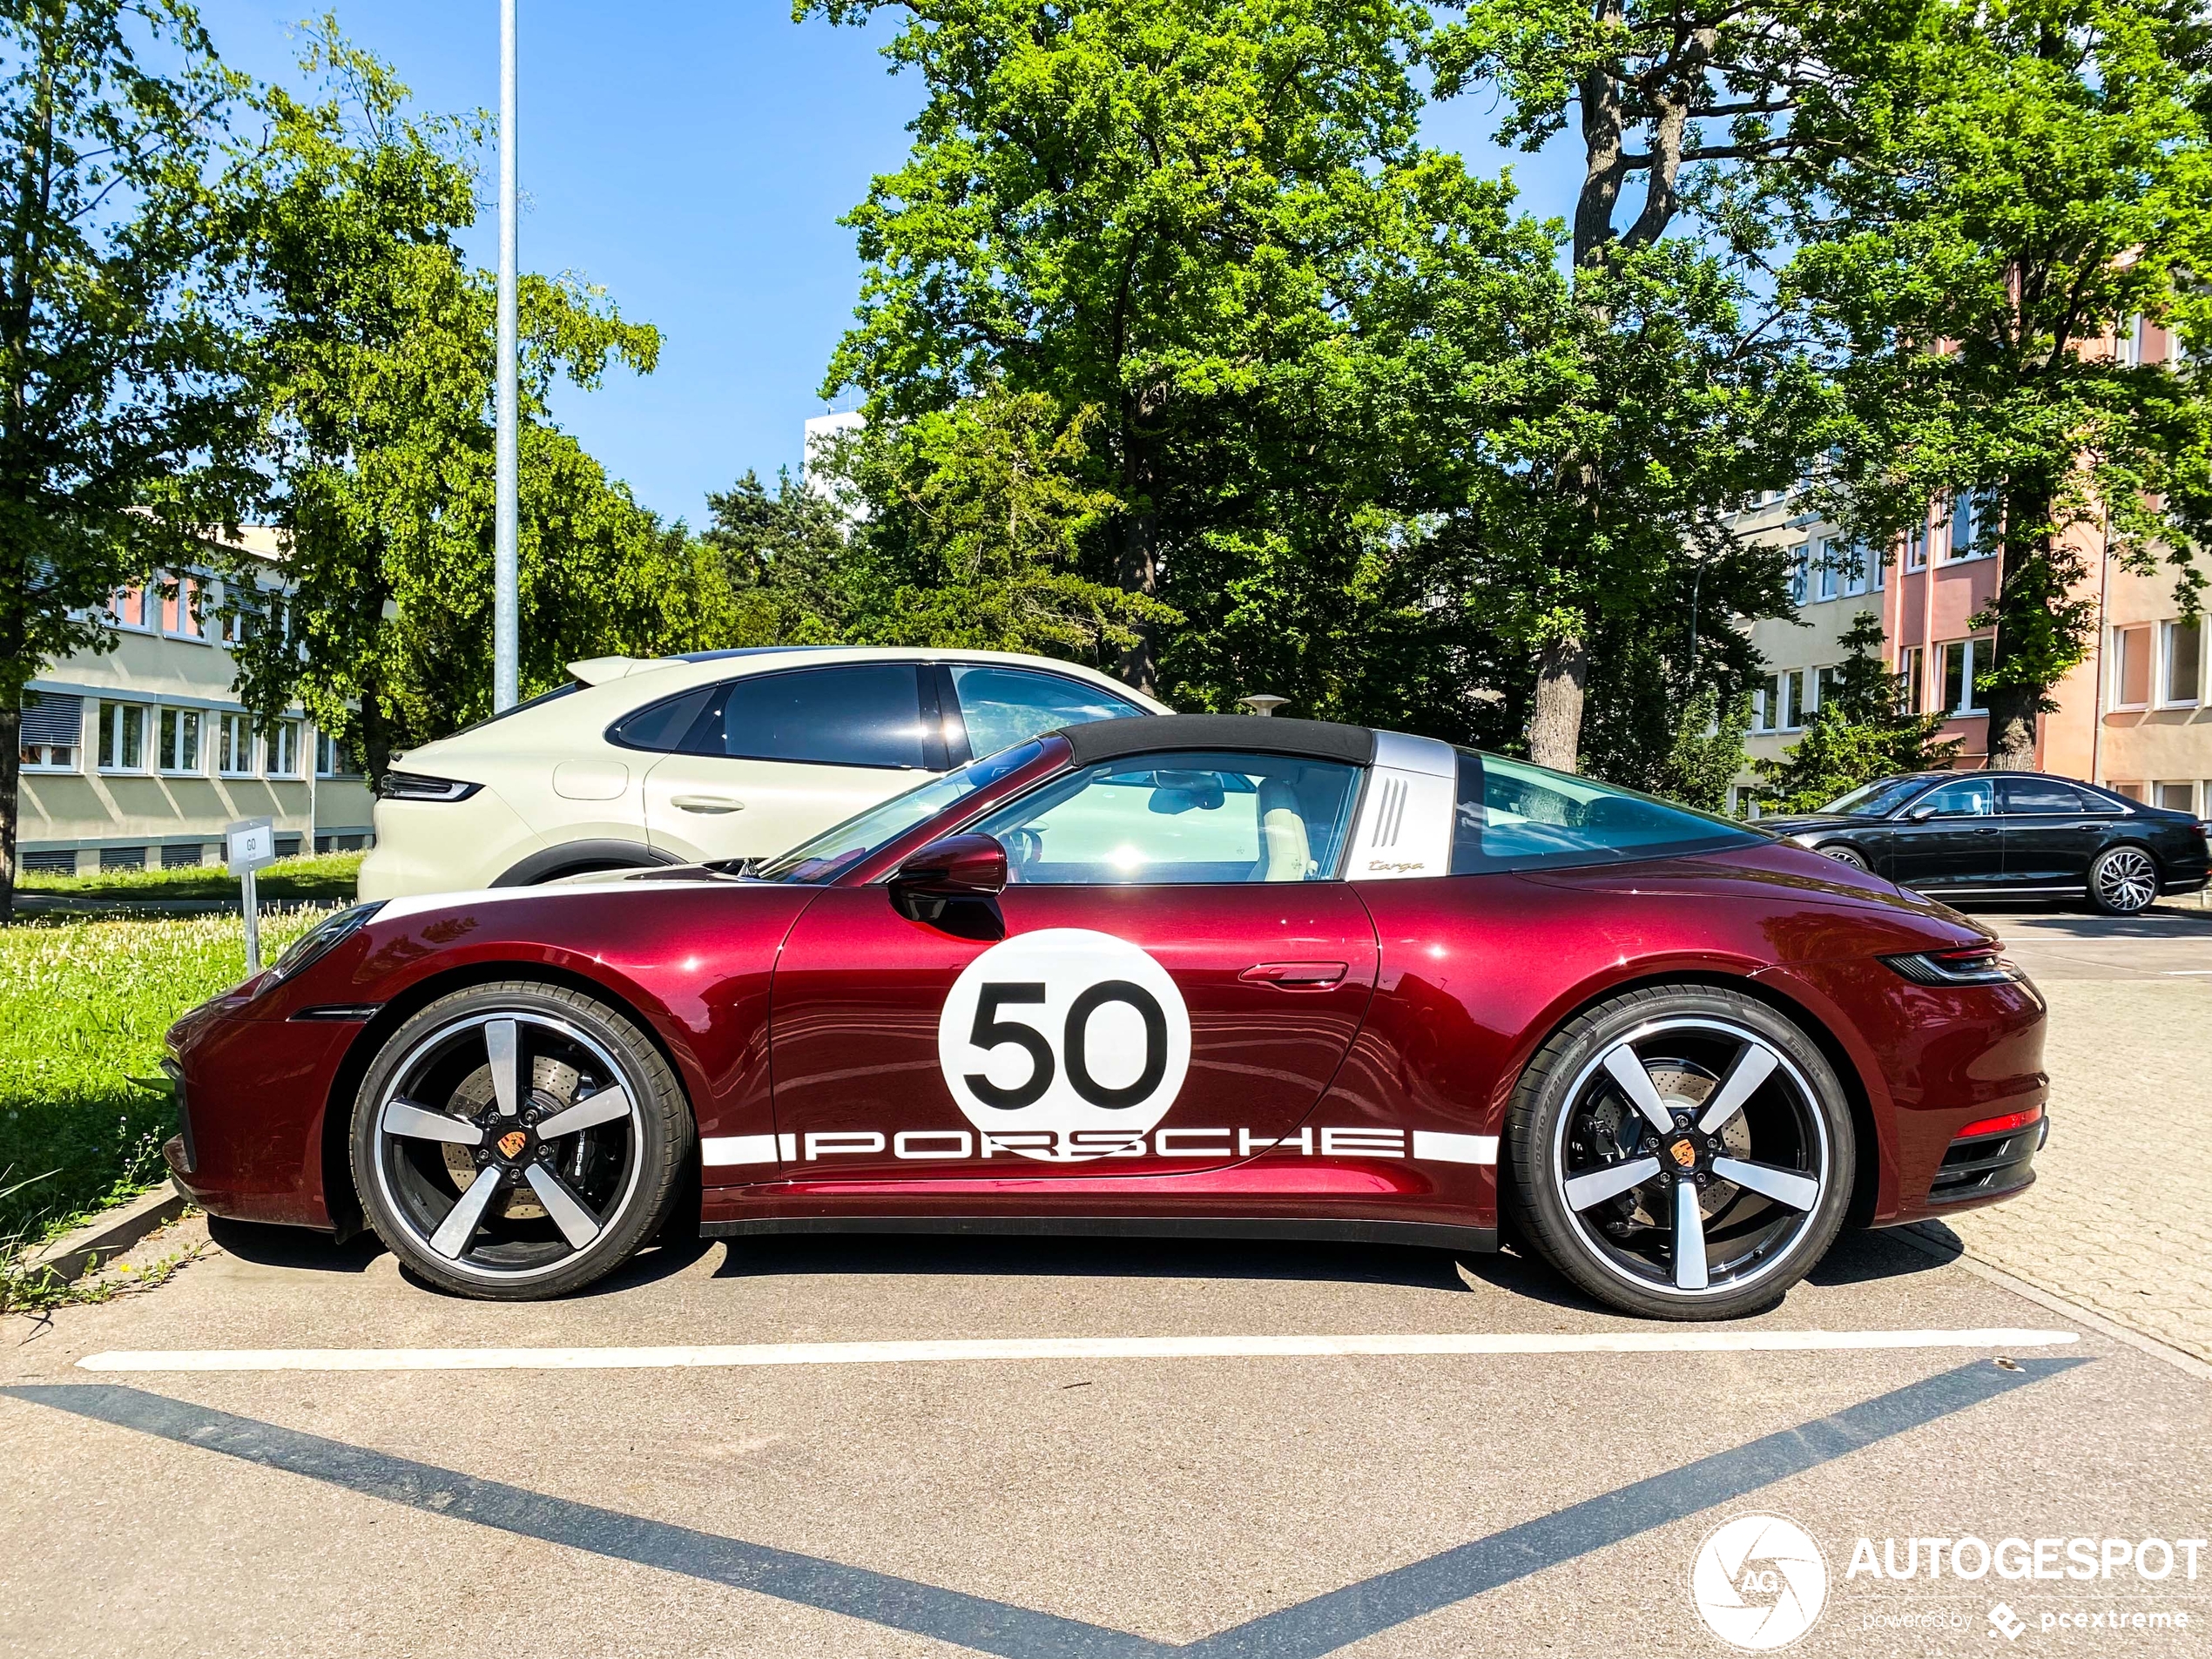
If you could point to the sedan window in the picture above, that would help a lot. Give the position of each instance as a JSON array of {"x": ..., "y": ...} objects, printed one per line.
[
  {"x": 1004, "y": 706},
  {"x": 1974, "y": 797},
  {"x": 1876, "y": 800},
  {"x": 1180, "y": 819},
  {"x": 2045, "y": 795}
]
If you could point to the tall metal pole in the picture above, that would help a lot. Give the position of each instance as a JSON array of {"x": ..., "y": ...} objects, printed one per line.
[{"x": 506, "y": 672}]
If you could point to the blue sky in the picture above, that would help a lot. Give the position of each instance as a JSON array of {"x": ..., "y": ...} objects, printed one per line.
[{"x": 694, "y": 158}]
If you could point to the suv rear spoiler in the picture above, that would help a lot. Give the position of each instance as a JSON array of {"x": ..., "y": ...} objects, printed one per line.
[{"x": 597, "y": 670}]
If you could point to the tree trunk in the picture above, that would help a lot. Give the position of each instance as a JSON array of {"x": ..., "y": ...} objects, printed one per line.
[
  {"x": 2011, "y": 728},
  {"x": 1555, "y": 721},
  {"x": 1137, "y": 568},
  {"x": 11, "y": 792},
  {"x": 375, "y": 736}
]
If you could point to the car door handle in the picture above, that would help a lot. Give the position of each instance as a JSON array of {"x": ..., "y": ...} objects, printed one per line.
[
  {"x": 1991, "y": 829},
  {"x": 1310, "y": 976},
  {"x": 707, "y": 803}
]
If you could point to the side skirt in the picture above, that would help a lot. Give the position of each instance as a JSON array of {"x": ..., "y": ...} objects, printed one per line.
[{"x": 1421, "y": 1235}]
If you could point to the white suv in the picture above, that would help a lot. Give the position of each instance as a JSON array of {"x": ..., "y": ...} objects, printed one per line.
[{"x": 721, "y": 755}]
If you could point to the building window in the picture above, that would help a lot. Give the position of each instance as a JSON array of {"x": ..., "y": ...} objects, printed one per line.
[
  {"x": 52, "y": 727},
  {"x": 1830, "y": 575},
  {"x": 1916, "y": 547},
  {"x": 2133, "y": 792},
  {"x": 127, "y": 607},
  {"x": 2130, "y": 668},
  {"x": 2174, "y": 797},
  {"x": 2182, "y": 663},
  {"x": 1912, "y": 689},
  {"x": 331, "y": 759},
  {"x": 2129, "y": 346},
  {"x": 1971, "y": 526},
  {"x": 234, "y": 746},
  {"x": 1794, "y": 706},
  {"x": 182, "y": 611},
  {"x": 180, "y": 739},
  {"x": 122, "y": 737},
  {"x": 1824, "y": 681},
  {"x": 1963, "y": 659},
  {"x": 1855, "y": 575},
  {"x": 1797, "y": 573},
  {"x": 284, "y": 749}
]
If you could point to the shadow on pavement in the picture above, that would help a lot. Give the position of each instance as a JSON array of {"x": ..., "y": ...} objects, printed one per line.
[
  {"x": 294, "y": 1247},
  {"x": 1009, "y": 1255},
  {"x": 1863, "y": 1257},
  {"x": 2160, "y": 922}
]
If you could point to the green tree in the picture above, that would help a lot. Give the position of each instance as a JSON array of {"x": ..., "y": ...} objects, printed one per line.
[
  {"x": 1860, "y": 731},
  {"x": 1990, "y": 200},
  {"x": 374, "y": 368},
  {"x": 976, "y": 518},
  {"x": 782, "y": 557},
  {"x": 120, "y": 429},
  {"x": 1205, "y": 230},
  {"x": 1678, "y": 397}
]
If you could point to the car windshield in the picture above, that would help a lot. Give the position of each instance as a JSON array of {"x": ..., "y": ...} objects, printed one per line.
[
  {"x": 1876, "y": 800},
  {"x": 837, "y": 850}
]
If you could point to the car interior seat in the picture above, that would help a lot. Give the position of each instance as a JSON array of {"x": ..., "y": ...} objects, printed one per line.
[{"x": 1284, "y": 853}]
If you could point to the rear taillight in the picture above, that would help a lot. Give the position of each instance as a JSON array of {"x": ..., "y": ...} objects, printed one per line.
[
  {"x": 2004, "y": 1125},
  {"x": 1968, "y": 964},
  {"x": 415, "y": 785}
]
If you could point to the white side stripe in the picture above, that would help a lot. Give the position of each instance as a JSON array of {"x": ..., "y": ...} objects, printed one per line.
[
  {"x": 1433, "y": 1146},
  {"x": 719, "y": 1150},
  {"x": 887, "y": 1353}
]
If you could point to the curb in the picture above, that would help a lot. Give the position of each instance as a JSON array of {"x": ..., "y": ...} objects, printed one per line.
[{"x": 70, "y": 1255}]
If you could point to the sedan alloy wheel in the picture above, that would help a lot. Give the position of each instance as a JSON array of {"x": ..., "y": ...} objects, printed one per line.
[{"x": 2123, "y": 880}]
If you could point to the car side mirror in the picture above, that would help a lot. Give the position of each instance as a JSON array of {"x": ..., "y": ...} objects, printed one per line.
[
  {"x": 958, "y": 867},
  {"x": 1920, "y": 814}
]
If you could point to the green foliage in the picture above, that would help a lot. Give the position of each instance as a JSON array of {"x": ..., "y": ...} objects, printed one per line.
[
  {"x": 976, "y": 518},
  {"x": 374, "y": 363},
  {"x": 1859, "y": 733},
  {"x": 1988, "y": 200},
  {"x": 783, "y": 563},
  {"x": 319, "y": 875},
  {"x": 1200, "y": 239},
  {"x": 123, "y": 433},
  {"x": 82, "y": 1008},
  {"x": 1707, "y": 753}
]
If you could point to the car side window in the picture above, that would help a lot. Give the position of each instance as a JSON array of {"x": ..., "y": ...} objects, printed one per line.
[
  {"x": 1973, "y": 798},
  {"x": 2045, "y": 795},
  {"x": 854, "y": 714},
  {"x": 1170, "y": 819},
  {"x": 1004, "y": 706},
  {"x": 1510, "y": 815}
]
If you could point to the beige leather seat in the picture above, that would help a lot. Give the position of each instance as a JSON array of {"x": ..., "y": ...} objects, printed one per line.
[{"x": 1285, "y": 854}]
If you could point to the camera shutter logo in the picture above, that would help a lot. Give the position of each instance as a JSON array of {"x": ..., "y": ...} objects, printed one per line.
[{"x": 1759, "y": 1583}]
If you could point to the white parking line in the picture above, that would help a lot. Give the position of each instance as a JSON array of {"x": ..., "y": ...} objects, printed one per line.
[{"x": 906, "y": 1353}]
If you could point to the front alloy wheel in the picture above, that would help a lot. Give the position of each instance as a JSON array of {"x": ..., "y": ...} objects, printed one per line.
[
  {"x": 2123, "y": 880},
  {"x": 517, "y": 1141},
  {"x": 1685, "y": 1153}
]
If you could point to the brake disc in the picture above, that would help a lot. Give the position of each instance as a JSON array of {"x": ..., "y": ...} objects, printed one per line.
[{"x": 553, "y": 1081}]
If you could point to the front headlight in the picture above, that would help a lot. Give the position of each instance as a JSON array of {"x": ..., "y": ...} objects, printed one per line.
[{"x": 316, "y": 942}]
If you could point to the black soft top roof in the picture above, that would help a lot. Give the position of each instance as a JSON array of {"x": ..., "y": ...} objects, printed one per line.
[{"x": 1315, "y": 739}]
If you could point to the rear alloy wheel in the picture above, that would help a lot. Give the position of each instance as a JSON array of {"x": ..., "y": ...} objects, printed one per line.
[
  {"x": 1682, "y": 1153},
  {"x": 1844, "y": 853},
  {"x": 517, "y": 1141},
  {"x": 2123, "y": 880}
]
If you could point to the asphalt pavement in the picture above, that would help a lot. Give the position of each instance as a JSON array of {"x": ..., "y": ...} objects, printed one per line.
[{"x": 1239, "y": 1449}]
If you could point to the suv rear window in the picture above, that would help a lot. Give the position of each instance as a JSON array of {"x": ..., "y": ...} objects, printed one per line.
[{"x": 856, "y": 714}]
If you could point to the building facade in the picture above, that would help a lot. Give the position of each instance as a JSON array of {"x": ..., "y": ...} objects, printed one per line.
[
  {"x": 138, "y": 757},
  {"x": 2134, "y": 717}
]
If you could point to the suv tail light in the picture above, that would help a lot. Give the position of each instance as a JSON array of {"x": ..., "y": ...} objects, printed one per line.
[{"x": 415, "y": 785}]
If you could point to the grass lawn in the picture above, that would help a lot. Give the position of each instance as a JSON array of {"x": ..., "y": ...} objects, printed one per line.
[
  {"x": 83, "y": 1008},
  {"x": 320, "y": 875}
]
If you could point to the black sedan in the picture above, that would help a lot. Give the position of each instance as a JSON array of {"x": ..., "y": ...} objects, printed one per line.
[{"x": 2008, "y": 835}]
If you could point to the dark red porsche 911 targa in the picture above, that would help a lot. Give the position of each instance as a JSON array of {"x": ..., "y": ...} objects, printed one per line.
[{"x": 1192, "y": 975}]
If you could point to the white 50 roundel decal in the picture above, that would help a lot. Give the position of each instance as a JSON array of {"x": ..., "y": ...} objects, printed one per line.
[{"x": 1074, "y": 1032}]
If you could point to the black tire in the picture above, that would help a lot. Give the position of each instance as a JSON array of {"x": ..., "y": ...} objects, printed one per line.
[
  {"x": 2123, "y": 879},
  {"x": 1844, "y": 852},
  {"x": 1571, "y": 1122},
  {"x": 599, "y": 1191}
]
